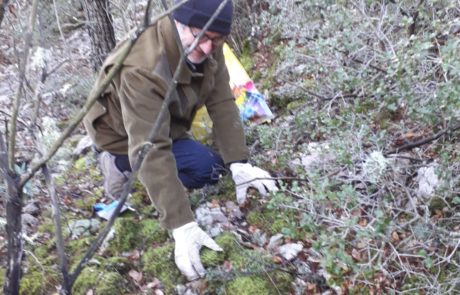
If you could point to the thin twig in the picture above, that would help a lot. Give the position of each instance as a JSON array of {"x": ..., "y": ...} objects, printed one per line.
[{"x": 22, "y": 75}]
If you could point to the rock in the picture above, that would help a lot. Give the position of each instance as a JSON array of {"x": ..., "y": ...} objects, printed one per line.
[
  {"x": 31, "y": 209},
  {"x": 275, "y": 242},
  {"x": 29, "y": 220},
  {"x": 83, "y": 227},
  {"x": 2, "y": 224},
  {"x": 427, "y": 181},
  {"x": 259, "y": 238},
  {"x": 233, "y": 210},
  {"x": 317, "y": 154},
  {"x": 83, "y": 146},
  {"x": 215, "y": 230},
  {"x": 300, "y": 286},
  {"x": 183, "y": 290},
  {"x": 218, "y": 216},
  {"x": 290, "y": 251},
  {"x": 203, "y": 216},
  {"x": 302, "y": 268}
]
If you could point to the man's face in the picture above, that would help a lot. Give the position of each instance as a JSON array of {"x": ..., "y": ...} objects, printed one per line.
[{"x": 206, "y": 45}]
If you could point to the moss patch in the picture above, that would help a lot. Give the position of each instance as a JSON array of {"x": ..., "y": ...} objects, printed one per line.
[
  {"x": 118, "y": 264},
  {"x": 275, "y": 221},
  {"x": 159, "y": 263},
  {"x": 152, "y": 231},
  {"x": 38, "y": 282},
  {"x": 243, "y": 260},
  {"x": 2, "y": 277},
  {"x": 103, "y": 283},
  {"x": 112, "y": 283},
  {"x": 248, "y": 286},
  {"x": 126, "y": 234}
]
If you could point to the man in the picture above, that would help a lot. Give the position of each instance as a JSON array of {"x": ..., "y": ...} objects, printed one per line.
[{"x": 120, "y": 121}]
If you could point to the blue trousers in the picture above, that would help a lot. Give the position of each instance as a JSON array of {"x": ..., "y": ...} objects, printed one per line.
[{"x": 197, "y": 165}]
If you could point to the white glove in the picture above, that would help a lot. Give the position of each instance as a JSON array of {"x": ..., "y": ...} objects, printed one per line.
[
  {"x": 245, "y": 175},
  {"x": 189, "y": 240}
]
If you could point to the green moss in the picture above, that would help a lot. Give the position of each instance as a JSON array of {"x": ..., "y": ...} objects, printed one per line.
[
  {"x": 140, "y": 201},
  {"x": 248, "y": 286},
  {"x": 152, "y": 231},
  {"x": 32, "y": 284},
  {"x": 282, "y": 281},
  {"x": 126, "y": 234},
  {"x": 159, "y": 263},
  {"x": 103, "y": 283},
  {"x": 2, "y": 277},
  {"x": 118, "y": 264},
  {"x": 86, "y": 203},
  {"x": 211, "y": 258},
  {"x": 246, "y": 56},
  {"x": 273, "y": 222},
  {"x": 46, "y": 226},
  {"x": 80, "y": 164},
  {"x": 228, "y": 242},
  {"x": 76, "y": 249},
  {"x": 112, "y": 283},
  {"x": 38, "y": 281}
]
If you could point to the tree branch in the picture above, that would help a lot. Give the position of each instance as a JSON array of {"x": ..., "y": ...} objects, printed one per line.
[
  {"x": 22, "y": 73},
  {"x": 424, "y": 141}
]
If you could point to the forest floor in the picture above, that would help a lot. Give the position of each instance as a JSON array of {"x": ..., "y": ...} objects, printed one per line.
[{"x": 354, "y": 215}]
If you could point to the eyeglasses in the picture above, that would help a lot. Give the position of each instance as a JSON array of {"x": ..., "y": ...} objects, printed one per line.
[{"x": 216, "y": 41}]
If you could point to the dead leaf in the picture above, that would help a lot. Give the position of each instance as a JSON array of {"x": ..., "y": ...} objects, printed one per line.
[
  {"x": 215, "y": 203},
  {"x": 311, "y": 286},
  {"x": 394, "y": 237},
  {"x": 252, "y": 229},
  {"x": 277, "y": 259},
  {"x": 134, "y": 255},
  {"x": 153, "y": 284},
  {"x": 136, "y": 276},
  {"x": 363, "y": 222},
  {"x": 356, "y": 254},
  {"x": 227, "y": 266},
  {"x": 361, "y": 244}
]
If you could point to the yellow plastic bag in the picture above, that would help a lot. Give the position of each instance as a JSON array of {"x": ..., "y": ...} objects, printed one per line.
[{"x": 251, "y": 103}]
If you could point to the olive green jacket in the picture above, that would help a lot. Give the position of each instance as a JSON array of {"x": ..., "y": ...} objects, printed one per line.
[{"x": 122, "y": 118}]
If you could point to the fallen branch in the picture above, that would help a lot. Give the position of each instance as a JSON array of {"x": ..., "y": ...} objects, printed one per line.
[{"x": 421, "y": 142}]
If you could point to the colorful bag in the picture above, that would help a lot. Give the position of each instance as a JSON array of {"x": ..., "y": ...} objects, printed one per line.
[{"x": 250, "y": 101}]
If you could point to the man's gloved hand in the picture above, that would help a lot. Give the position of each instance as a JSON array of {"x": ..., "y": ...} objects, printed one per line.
[
  {"x": 245, "y": 175},
  {"x": 189, "y": 240}
]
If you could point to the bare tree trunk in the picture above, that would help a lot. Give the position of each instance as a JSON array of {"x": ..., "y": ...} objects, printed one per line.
[
  {"x": 13, "y": 232},
  {"x": 100, "y": 30},
  {"x": 3, "y": 5}
]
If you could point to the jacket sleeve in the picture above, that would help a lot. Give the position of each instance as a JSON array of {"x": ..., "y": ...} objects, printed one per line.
[
  {"x": 141, "y": 96},
  {"x": 227, "y": 126}
]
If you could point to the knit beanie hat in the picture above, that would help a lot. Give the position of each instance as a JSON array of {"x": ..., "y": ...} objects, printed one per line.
[{"x": 196, "y": 13}]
